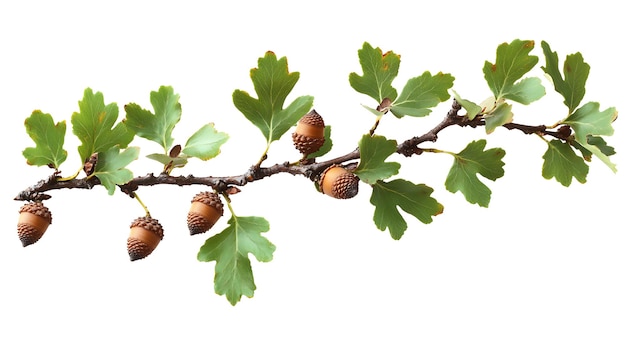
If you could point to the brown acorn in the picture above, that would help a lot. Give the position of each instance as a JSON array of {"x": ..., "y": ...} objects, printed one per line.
[
  {"x": 33, "y": 221},
  {"x": 145, "y": 235},
  {"x": 206, "y": 209},
  {"x": 339, "y": 183},
  {"x": 309, "y": 134}
]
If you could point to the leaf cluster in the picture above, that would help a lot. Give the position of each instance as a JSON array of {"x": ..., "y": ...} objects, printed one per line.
[{"x": 104, "y": 137}]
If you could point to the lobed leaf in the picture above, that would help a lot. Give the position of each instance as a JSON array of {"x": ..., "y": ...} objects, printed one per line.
[
  {"x": 422, "y": 93},
  {"x": 379, "y": 70},
  {"x": 230, "y": 250},
  {"x": 601, "y": 144},
  {"x": 473, "y": 160},
  {"x": 205, "y": 143},
  {"x": 576, "y": 71},
  {"x": 374, "y": 151},
  {"x": 502, "y": 114},
  {"x": 111, "y": 167},
  {"x": 597, "y": 141},
  {"x": 411, "y": 198},
  {"x": 49, "y": 139},
  {"x": 588, "y": 121},
  {"x": 95, "y": 127},
  {"x": 272, "y": 84},
  {"x": 157, "y": 126},
  {"x": 526, "y": 91},
  {"x": 512, "y": 63},
  {"x": 562, "y": 164}
]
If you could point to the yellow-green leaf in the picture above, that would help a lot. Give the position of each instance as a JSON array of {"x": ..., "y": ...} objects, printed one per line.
[
  {"x": 374, "y": 151},
  {"x": 157, "y": 126},
  {"x": 513, "y": 61},
  {"x": 94, "y": 124},
  {"x": 205, "y": 143},
  {"x": 379, "y": 70},
  {"x": 588, "y": 121},
  {"x": 272, "y": 83},
  {"x": 470, "y": 162},
  {"x": 422, "y": 93},
  {"x": 48, "y": 138},
  {"x": 230, "y": 250},
  {"x": 562, "y": 164},
  {"x": 413, "y": 199},
  {"x": 111, "y": 167},
  {"x": 575, "y": 73}
]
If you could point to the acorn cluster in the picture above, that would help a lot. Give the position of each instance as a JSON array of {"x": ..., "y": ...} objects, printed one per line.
[
  {"x": 335, "y": 181},
  {"x": 145, "y": 232}
]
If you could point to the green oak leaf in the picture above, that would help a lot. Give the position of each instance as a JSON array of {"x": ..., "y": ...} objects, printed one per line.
[
  {"x": 374, "y": 151},
  {"x": 562, "y": 163},
  {"x": 472, "y": 109},
  {"x": 94, "y": 126},
  {"x": 422, "y": 93},
  {"x": 601, "y": 144},
  {"x": 178, "y": 161},
  {"x": 230, "y": 250},
  {"x": 576, "y": 71},
  {"x": 327, "y": 146},
  {"x": 48, "y": 138},
  {"x": 379, "y": 70},
  {"x": 512, "y": 63},
  {"x": 473, "y": 160},
  {"x": 502, "y": 114},
  {"x": 157, "y": 126},
  {"x": 526, "y": 91},
  {"x": 111, "y": 167},
  {"x": 272, "y": 83},
  {"x": 596, "y": 141},
  {"x": 587, "y": 121},
  {"x": 205, "y": 143},
  {"x": 411, "y": 198}
]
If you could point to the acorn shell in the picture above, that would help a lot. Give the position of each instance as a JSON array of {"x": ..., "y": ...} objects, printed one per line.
[
  {"x": 145, "y": 235},
  {"x": 33, "y": 222},
  {"x": 309, "y": 134},
  {"x": 339, "y": 183},
  {"x": 206, "y": 209}
]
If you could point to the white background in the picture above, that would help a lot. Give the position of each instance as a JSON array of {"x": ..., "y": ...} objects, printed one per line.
[{"x": 543, "y": 268}]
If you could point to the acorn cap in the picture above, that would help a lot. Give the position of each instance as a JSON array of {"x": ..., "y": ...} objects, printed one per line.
[
  {"x": 145, "y": 235},
  {"x": 206, "y": 209},
  {"x": 339, "y": 183},
  {"x": 313, "y": 119},
  {"x": 33, "y": 221},
  {"x": 309, "y": 134}
]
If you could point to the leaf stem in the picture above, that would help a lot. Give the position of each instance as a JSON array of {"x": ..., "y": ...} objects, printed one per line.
[
  {"x": 73, "y": 176},
  {"x": 263, "y": 157},
  {"x": 228, "y": 203},
  {"x": 437, "y": 151}
]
